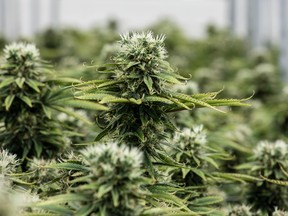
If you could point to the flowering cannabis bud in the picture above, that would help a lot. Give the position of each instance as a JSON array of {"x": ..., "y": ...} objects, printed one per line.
[
  {"x": 21, "y": 54},
  {"x": 190, "y": 150},
  {"x": 269, "y": 153},
  {"x": 111, "y": 158},
  {"x": 8, "y": 162},
  {"x": 143, "y": 47},
  {"x": 190, "y": 138},
  {"x": 242, "y": 210},
  {"x": 114, "y": 180},
  {"x": 141, "y": 56},
  {"x": 268, "y": 158},
  {"x": 278, "y": 212}
]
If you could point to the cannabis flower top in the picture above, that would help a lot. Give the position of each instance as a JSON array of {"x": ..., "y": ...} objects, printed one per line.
[
  {"x": 278, "y": 212},
  {"x": 269, "y": 152},
  {"x": 22, "y": 60},
  {"x": 113, "y": 185},
  {"x": 21, "y": 52},
  {"x": 112, "y": 158},
  {"x": 190, "y": 137},
  {"x": 143, "y": 47},
  {"x": 242, "y": 210},
  {"x": 8, "y": 162},
  {"x": 140, "y": 61}
]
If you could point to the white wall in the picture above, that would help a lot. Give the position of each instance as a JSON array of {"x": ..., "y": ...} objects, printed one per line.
[{"x": 192, "y": 15}]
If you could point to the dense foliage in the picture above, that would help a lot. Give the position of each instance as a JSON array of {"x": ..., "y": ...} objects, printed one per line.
[{"x": 155, "y": 152}]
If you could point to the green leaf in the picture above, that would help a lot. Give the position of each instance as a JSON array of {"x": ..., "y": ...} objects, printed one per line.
[
  {"x": 20, "y": 81},
  {"x": 113, "y": 99},
  {"x": 85, "y": 210},
  {"x": 133, "y": 100},
  {"x": 226, "y": 102},
  {"x": 63, "y": 198},
  {"x": 64, "y": 80},
  {"x": 194, "y": 100},
  {"x": 68, "y": 166},
  {"x": 80, "y": 180},
  {"x": 190, "y": 213},
  {"x": 283, "y": 170},
  {"x": 180, "y": 104},
  {"x": 115, "y": 197},
  {"x": 131, "y": 64},
  {"x": 60, "y": 210},
  {"x": 103, "y": 189},
  {"x": 211, "y": 161},
  {"x": 167, "y": 187},
  {"x": 275, "y": 181},
  {"x": 6, "y": 82},
  {"x": 32, "y": 84},
  {"x": 185, "y": 172},
  {"x": 92, "y": 82},
  {"x": 157, "y": 99},
  {"x": 170, "y": 198},
  {"x": 102, "y": 134},
  {"x": 92, "y": 96},
  {"x": 8, "y": 101},
  {"x": 86, "y": 105},
  {"x": 148, "y": 164},
  {"x": 47, "y": 111},
  {"x": 149, "y": 83},
  {"x": 38, "y": 148},
  {"x": 26, "y": 100},
  {"x": 209, "y": 200},
  {"x": 103, "y": 211},
  {"x": 21, "y": 182},
  {"x": 109, "y": 83},
  {"x": 167, "y": 160},
  {"x": 246, "y": 166},
  {"x": 237, "y": 177},
  {"x": 217, "y": 212},
  {"x": 206, "y": 96},
  {"x": 202, "y": 210},
  {"x": 199, "y": 173},
  {"x": 140, "y": 134},
  {"x": 230, "y": 102},
  {"x": 159, "y": 211},
  {"x": 168, "y": 78}
]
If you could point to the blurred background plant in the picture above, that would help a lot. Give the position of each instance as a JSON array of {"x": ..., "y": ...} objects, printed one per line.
[
  {"x": 268, "y": 161},
  {"x": 25, "y": 112}
]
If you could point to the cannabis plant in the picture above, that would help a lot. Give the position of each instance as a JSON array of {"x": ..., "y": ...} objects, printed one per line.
[
  {"x": 140, "y": 97},
  {"x": 27, "y": 101},
  {"x": 8, "y": 163},
  {"x": 190, "y": 147},
  {"x": 107, "y": 179},
  {"x": 111, "y": 184},
  {"x": 45, "y": 181},
  {"x": 268, "y": 161}
]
